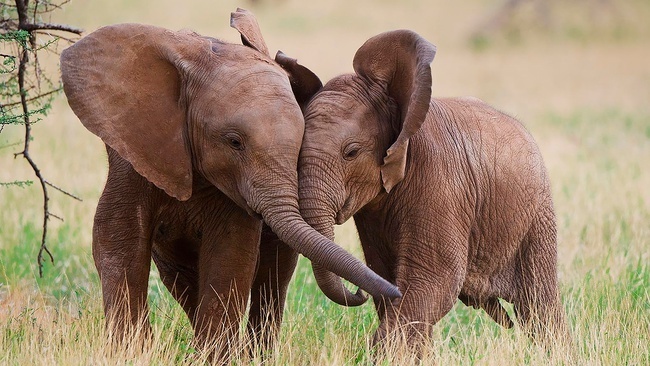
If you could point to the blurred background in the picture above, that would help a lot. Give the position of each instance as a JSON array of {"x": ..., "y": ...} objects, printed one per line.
[
  {"x": 576, "y": 73},
  {"x": 529, "y": 58},
  {"x": 522, "y": 55}
]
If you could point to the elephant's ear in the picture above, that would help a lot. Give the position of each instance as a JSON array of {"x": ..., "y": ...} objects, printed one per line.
[
  {"x": 400, "y": 62},
  {"x": 251, "y": 35},
  {"x": 124, "y": 84},
  {"x": 304, "y": 82}
]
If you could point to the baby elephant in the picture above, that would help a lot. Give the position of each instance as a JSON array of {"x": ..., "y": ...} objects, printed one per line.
[{"x": 450, "y": 197}]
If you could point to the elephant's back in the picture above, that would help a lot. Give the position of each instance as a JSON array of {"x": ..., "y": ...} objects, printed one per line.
[
  {"x": 506, "y": 169},
  {"x": 492, "y": 141}
]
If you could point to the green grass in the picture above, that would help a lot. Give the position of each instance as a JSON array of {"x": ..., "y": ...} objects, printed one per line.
[
  {"x": 604, "y": 269},
  {"x": 583, "y": 95}
]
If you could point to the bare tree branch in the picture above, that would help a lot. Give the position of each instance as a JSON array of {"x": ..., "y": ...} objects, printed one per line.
[
  {"x": 63, "y": 191},
  {"x": 58, "y": 36},
  {"x": 25, "y": 153},
  {"x": 32, "y": 27},
  {"x": 56, "y": 217},
  {"x": 53, "y": 27},
  {"x": 34, "y": 98}
]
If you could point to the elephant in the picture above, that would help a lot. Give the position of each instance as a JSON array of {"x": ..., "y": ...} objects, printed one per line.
[
  {"x": 450, "y": 197},
  {"x": 202, "y": 138}
]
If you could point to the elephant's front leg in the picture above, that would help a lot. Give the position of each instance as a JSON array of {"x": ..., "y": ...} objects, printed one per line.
[
  {"x": 122, "y": 254},
  {"x": 277, "y": 263},
  {"x": 227, "y": 262},
  {"x": 429, "y": 270}
]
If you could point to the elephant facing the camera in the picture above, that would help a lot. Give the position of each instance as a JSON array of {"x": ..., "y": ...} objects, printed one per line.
[
  {"x": 450, "y": 197},
  {"x": 203, "y": 139}
]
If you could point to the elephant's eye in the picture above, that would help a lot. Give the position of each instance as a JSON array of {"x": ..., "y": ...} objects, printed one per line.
[
  {"x": 235, "y": 144},
  {"x": 351, "y": 151},
  {"x": 234, "y": 141}
]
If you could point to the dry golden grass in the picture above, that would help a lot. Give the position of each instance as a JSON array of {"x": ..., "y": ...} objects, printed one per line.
[{"x": 581, "y": 86}]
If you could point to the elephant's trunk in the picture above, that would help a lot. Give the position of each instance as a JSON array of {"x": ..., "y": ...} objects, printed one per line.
[
  {"x": 318, "y": 213},
  {"x": 281, "y": 214}
]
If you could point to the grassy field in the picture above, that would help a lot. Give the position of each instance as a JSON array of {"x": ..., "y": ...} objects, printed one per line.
[{"x": 581, "y": 85}]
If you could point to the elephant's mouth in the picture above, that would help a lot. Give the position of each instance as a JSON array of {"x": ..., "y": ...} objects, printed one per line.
[
  {"x": 345, "y": 212},
  {"x": 254, "y": 214}
]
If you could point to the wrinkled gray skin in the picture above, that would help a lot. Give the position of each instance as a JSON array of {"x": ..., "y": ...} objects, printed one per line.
[
  {"x": 203, "y": 140},
  {"x": 450, "y": 196}
]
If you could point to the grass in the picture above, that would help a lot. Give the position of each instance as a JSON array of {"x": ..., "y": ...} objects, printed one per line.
[{"x": 582, "y": 93}]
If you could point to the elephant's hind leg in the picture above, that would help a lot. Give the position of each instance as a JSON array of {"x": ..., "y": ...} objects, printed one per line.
[
  {"x": 492, "y": 307},
  {"x": 276, "y": 265},
  {"x": 180, "y": 277},
  {"x": 537, "y": 303}
]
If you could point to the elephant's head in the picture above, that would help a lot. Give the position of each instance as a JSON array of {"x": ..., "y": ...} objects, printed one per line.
[
  {"x": 357, "y": 132},
  {"x": 179, "y": 106}
]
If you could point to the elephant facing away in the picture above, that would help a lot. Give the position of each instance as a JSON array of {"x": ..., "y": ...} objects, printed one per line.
[
  {"x": 450, "y": 197},
  {"x": 203, "y": 139}
]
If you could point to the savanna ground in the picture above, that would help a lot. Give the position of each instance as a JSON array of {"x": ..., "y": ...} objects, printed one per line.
[{"x": 579, "y": 82}]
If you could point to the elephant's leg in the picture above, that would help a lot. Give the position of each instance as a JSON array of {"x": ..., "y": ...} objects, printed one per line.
[
  {"x": 411, "y": 319},
  {"x": 179, "y": 273},
  {"x": 430, "y": 278},
  {"x": 537, "y": 302},
  {"x": 383, "y": 265},
  {"x": 277, "y": 263},
  {"x": 122, "y": 254},
  {"x": 227, "y": 261},
  {"x": 491, "y": 306}
]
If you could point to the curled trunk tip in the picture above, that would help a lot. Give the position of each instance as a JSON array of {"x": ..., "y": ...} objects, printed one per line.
[{"x": 295, "y": 232}]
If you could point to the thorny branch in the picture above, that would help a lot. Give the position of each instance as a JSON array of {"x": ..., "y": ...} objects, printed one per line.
[
  {"x": 34, "y": 98},
  {"x": 31, "y": 27}
]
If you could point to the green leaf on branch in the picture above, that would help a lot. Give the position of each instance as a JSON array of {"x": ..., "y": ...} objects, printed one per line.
[
  {"x": 17, "y": 183},
  {"x": 21, "y": 36}
]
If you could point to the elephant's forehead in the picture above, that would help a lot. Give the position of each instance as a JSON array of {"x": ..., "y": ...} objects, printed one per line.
[
  {"x": 262, "y": 81},
  {"x": 260, "y": 90},
  {"x": 247, "y": 80},
  {"x": 334, "y": 107},
  {"x": 252, "y": 97}
]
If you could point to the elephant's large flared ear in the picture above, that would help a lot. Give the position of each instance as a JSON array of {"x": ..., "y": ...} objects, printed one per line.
[
  {"x": 400, "y": 62},
  {"x": 304, "y": 82},
  {"x": 124, "y": 84},
  {"x": 251, "y": 35}
]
